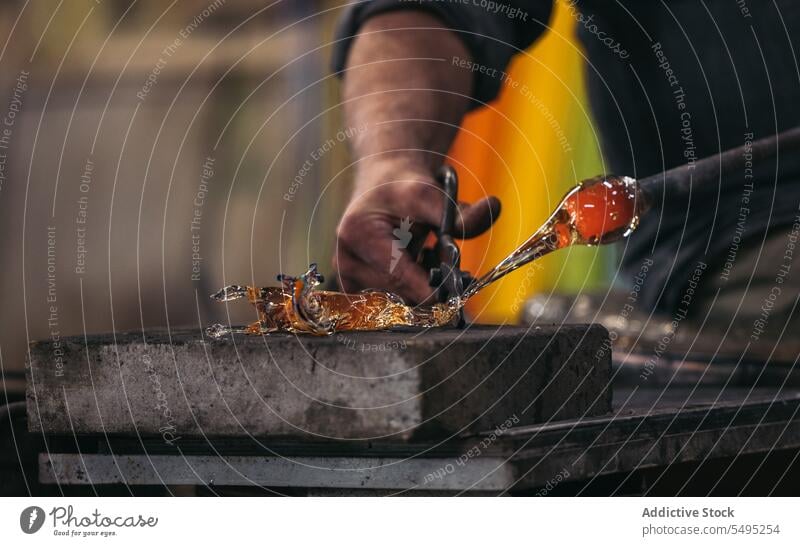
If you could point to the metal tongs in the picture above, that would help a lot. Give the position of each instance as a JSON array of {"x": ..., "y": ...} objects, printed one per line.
[{"x": 447, "y": 277}]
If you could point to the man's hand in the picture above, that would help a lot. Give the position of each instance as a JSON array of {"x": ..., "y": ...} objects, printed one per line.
[{"x": 385, "y": 226}]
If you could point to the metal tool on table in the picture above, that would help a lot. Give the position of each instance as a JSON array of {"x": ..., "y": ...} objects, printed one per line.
[{"x": 446, "y": 276}]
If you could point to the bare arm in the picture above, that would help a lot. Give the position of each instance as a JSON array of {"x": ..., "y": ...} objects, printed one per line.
[{"x": 411, "y": 105}]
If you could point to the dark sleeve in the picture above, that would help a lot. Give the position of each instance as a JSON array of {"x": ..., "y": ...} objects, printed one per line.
[{"x": 493, "y": 31}]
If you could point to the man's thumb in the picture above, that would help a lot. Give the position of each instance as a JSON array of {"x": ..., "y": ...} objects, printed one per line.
[{"x": 476, "y": 218}]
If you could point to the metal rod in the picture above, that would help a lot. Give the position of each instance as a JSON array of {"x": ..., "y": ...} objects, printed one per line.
[{"x": 679, "y": 180}]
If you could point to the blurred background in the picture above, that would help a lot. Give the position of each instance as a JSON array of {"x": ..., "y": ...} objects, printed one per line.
[{"x": 152, "y": 152}]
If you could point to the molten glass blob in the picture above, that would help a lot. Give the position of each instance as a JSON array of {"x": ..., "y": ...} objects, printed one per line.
[
  {"x": 597, "y": 211},
  {"x": 298, "y": 307}
]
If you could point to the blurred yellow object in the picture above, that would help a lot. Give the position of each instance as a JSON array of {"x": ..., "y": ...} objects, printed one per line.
[{"x": 528, "y": 147}]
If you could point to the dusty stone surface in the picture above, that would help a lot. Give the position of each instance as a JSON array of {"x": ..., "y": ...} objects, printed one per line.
[{"x": 368, "y": 385}]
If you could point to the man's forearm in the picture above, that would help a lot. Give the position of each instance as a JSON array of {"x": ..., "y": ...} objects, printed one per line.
[
  {"x": 411, "y": 105},
  {"x": 402, "y": 85}
]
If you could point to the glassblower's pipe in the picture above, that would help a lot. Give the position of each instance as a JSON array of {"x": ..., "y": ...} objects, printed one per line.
[
  {"x": 608, "y": 208},
  {"x": 680, "y": 180}
]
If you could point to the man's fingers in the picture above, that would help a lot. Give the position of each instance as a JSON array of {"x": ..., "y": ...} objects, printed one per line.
[
  {"x": 378, "y": 240},
  {"x": 425, "y": 203},
  {"x": 412, "y": 281},
  {"x": 371, "y": 252},
  {"x": 402, "y": 276},
  {"x": 471, "y": 220},
  {"x": 476, "y": 218}
]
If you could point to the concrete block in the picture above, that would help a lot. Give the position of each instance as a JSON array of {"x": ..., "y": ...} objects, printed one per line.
[{"x": 366, "y": 385}]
